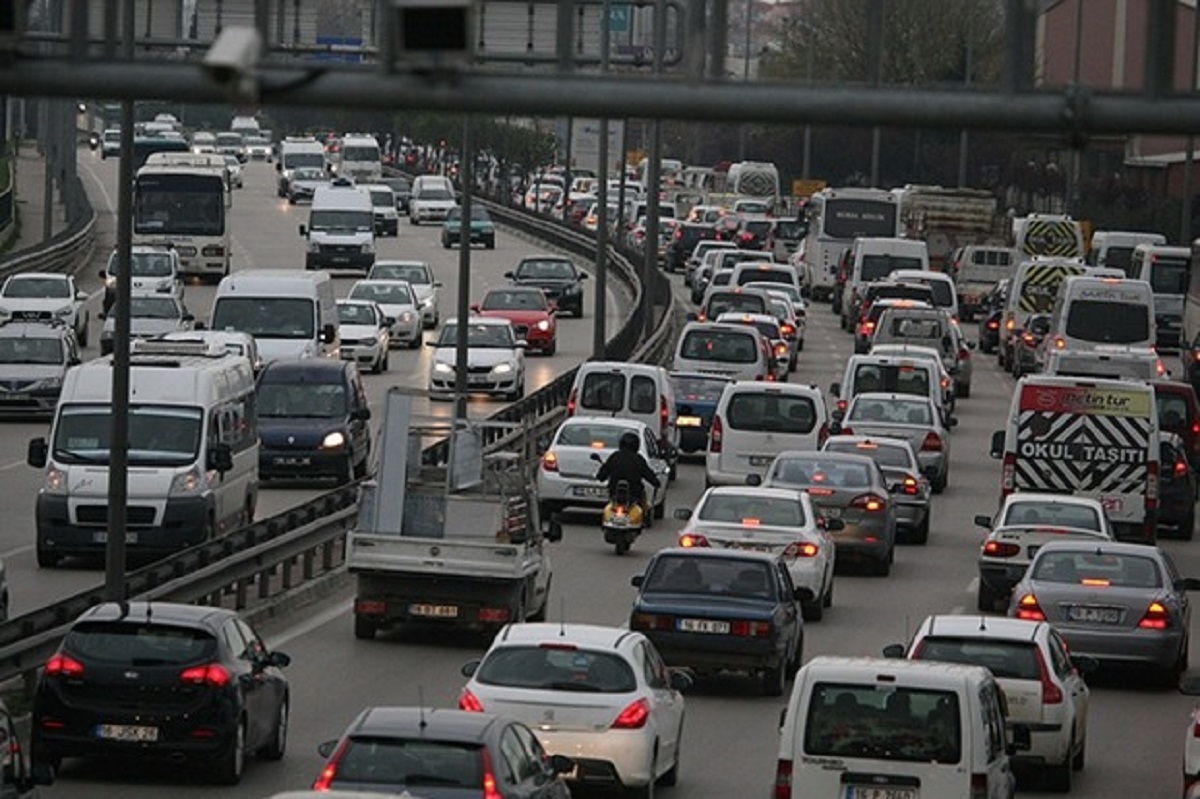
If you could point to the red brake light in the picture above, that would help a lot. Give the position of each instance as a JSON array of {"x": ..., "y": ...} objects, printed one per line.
[
  {"x": 572, "y": 401},
  {"x": 789, "y": 329},
  {"x": 633, "y": 717},
  {"x": 1196, "y": 428},
  {"x": 490, "y": 790},
  {"x": 715, "y": 434},
  {"x": 550, "y": 461},
  {"x": 750, "y": 629},
  {"x": 801, "y": 549},
  {"x": 1051, "y": 693},
  {"x": 1156, "y": 618},
  {"x": 213, "y": 674},
  {"x": 993, "y": 324},
  {"x": 469, "y": 702},
  {"x": 1001, "y": 549},
  {"x": 869, "y": 502},
  {"x": 664, "y": 415},
  {"x": 1181, "y": 468},
  {"x": 783, "y": 779},
  {"x": 1029, "y": 609},
  {"x": 932, "y": 443},
  {"x": 325, "y": 780},
  {"x": 63, "y": 666},
  {"x": 693, "y": 540},
  {"x": 911, "y": 486}
]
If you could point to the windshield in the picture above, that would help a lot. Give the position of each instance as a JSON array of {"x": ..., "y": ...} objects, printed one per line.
[
  {"x": 735, "y": 303},
  {"x": 479, "y": 336},
  {"x": 31, "y": 351},
  {"x": 681, "y": 574},
  {"x": 752, "y": 509},
  {"x": 763, "y": 275},
  {"x": 551, "y": 668},
  {"x": 29, "y": 288},
  {"x": 297, "y": 160},
  {"x": 851, "y": 219},
  {"x": 698, "y": 389},
  {"x": 719, "y": 345},
  {"x": 813, "y": 470},
  {"x": 546, "y": 270},
  {"x": 1097, "y": 569},
  {"x": 344, "y": 221},
  {"x": 266, "y": 317},
  {"x": 384, "y": 293},
  {"x": 159, "y": 435},
  {"x": 192, "y": 207},
  {"x": 1051, "y": 513},
  {"x": 413, "y": 274},
  {"x": 307, "y": 400},
  {"x": 1169, "y": 277},
  {"x": 878, "y": 267},
  {"x": 883, "y": 723},
  {"x": 1108, "y": 322},
  {"x": 596, "y": 436},
  {"x": 141, "y": 307},
  {"x": 229, "y": 139},
  {"x": 356, "y": 313},
  {"x": 889, "y": 411},
  {"x": 514, "y": 301},
  {"x": 434, "y": 194},
  {"x": 392, "y": 761},
  {"x": 307, "y": 173}
]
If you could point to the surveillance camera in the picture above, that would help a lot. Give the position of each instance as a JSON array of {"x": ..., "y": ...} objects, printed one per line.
[{"x": 234, "y": 56}]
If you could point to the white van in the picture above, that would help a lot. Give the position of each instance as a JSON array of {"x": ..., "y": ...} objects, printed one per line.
[
  {"x": 431, "y": 199},
  {"x": 738, "y": 352},
  {"x": 290, "y": 313},
  {"x": 765, "y": 272},
  {"x": 872, "y": 260},
  {"x": 863, "y": 727},
  {"x": 297, "y": 153},
  {"x": 1114, "y": 248},
  {"x": 1094, "y": 311},
  {"x": 868, "y": 374},
  {"x": 193, "y": 454},
  {"x": 341, "y": 228},
  {"x": 945, "y": 294},
  {"x": 1034, "y": 290},
  {"x": 639, "y": 391},
  {"x": 1167, "y": 270},
  {"x": 755, "y": 421},
  {"x": 358, "y": 158}
]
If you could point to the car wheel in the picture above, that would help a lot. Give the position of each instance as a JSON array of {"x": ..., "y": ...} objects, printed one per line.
[
  {"x": 774, "y": 679},
  {"x": 1058, "y": 777},
  {"x": 277, "y": 745},
  {"x": 231, "y": 763},
  {"x": 814, "y": 610},
  {"x": 962, "y": 390},
  {"x": 1080, "y": 757},
  {"x": 670, "y": 777},
  {"x": 939, "y": 485},
  {"x": 660, "y": 510},
  {"x": 646, "y": 791},
  {"x": 360, "y": 470},
  {"x": 827, "y": 600},
  {"x": 416, "y": 342},
  {"x": 445, "y": 244},
  {"x": 986, "y": 598},
  {"x": 921, "y": 534},
  {"x": 553, "y": 348},
  {"x": 46, "y": 559},
  {"x": 491, "y": 244},
  {"x": 364, "y": 628},
  {"x": 1188, "y": 526},
  {"x": 345, "y": 472},
  {"x": 883, "y": 566}
]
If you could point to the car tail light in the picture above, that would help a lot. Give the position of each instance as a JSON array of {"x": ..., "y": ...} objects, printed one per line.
[
  {"x": 801, "y": 549},
  {"x": 869, "y": 502},
  {"x": 1157, "y": 617},
  {"x": 469, "y": 702},
  {"x": 1181, "y": 468},
  {"x": 664, "y": 414},
  {"x": 550, "y": 461},
  {"x": 1008, "y": 474},
  {"x": 781, "y": 349},
  {"x": 1196, "y": 428},
  {"x": 911, "y": 486},
  {"x": 213, "y": 674},
  {"x": 651, "y": 621},
  {"x": 634, "y": 716},
  {"x": 868, "y": 328},
  {"x": 993, "y": 324},
  {"x": 61, "y": 665},
  {"x": 572, "y": 401},
  {"x": 493, "y": 615},
  {"x": 1029, "y": 339},
  {"x": 789, "y": 330},
  {"x": 932, "y": 443},
  {"x": 715, "y": 434},
  {"x": 979, "y": 786},
  {"x": 1160, "y": 368},
  {"x": 490, "y": 791},
  {"x": 751, "y": 629},
  {"x": 693, "y": 540},
  {"x": 783, "y": 779},
  {"x": 822, "y": 435},
  {"x": 1051, "y": 693},
  {"x": 1001, "y": 549},
  {"x": 1029, "y": 609},
  {"x": 1010, "y": 323},
  {"x": 1152, "y": 486},
  {"x": 1060, "y": 343},
  {"x": 324, "y": 781},
  {"x": 747, "y": 238}
]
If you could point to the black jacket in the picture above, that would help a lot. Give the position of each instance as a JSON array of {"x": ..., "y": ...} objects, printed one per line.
[{"x": 630, "y": 467}]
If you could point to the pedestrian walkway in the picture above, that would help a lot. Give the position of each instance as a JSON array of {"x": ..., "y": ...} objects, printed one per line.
[{"x": 30, "y": 197}]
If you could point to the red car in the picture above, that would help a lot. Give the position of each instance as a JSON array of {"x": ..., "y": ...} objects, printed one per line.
[{"x": 531, "y": 313}]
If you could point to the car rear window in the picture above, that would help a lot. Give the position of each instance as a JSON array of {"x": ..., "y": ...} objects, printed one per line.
[
  {"x": 1052, "y": 513},
  {"x": 128, "y": 644},
  {"x": 1172, "y": 411},
  {"x": 698, "y": 389},
  {"x": 723, "y": 346},
  {"x": 1108, "y": 322},
  {"x": 752, "y": 509},
  {"x": 889, "y": 411},
  {"x": 882, "y": 454},
  {"x": 899, "y": 379},
  {"x": 736, "y": 303},
  {"x": 1100, "y": 569},
  {"x": 770, "y": 412},
  {"x": 603, "y": 391},
  {"x": 817, "y": 471},
  {"x": 765, "y": 276},
  {"x": 681, "y": 574},
  {"x": 904, "y": 724},
  {"x": 943, "y": 293},
  {"x": 598, "y": 436},
  {"x": 910, "y": 326},
  {"x": 1014, "y": 660},
  {"x": 557, "y": 667},
  {"x": 399, "y": 762},
  {"x": 878, "y": 267}
]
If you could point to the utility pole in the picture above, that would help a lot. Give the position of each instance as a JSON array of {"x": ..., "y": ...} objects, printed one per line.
[
  {"x": 1185, "y": 214},
  {"x": 875, "y": 10},
  {"x": 600, "y": 314}
]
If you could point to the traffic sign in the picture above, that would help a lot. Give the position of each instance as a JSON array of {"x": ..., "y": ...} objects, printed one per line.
[{"x": 618, "y": 17}]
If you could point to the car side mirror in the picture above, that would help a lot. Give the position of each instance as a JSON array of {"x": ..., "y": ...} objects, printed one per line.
[
  {"x": 680, "y": 679},
  {"x": 522, "y": 344},
  {"x": 469, "y": 668},
  {"x": 187, "y": 317},
  {"x": 303, "y": 231},
  {"x": 895, "y": 651},
  {"x": 511, "y": 275},
  {"x": 220, "y": 458},
  {"x": 997, "y": 447},
  {"x": 475, "y": 307},
  {"x": 637, "y": 580},
  {"x": 838, "y": 415},
  {"x": 37, "y": 453},
  {"x": 683, "y": 514},
  {"x": 835, "y": 428},
  {"x": 328, "y": 333},
  {"x": 325, "y": 748},
  {"x": 103, "y": 274},
  {"x": 984, "y": 521},
  {"x": 279, "y": 660},
  {"x": 834, "y": 525},
  {"x": 81, "y": 296},
  {"x": 554, "y": 530},
  {"x": 596, "y": 457},
  {"x": 971, "y": 345},
  {"x": 583, "y": 275},
  {"x": 362, "y": 414}
]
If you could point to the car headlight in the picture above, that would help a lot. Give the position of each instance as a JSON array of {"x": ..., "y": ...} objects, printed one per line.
[
  {"x": 543, "y": 325},
  {"x": 193, "y": 481},
  {"x": 334, "y": 440},
  {"x": 63, "y": 313},
  {"x": 442, "y": 368},
  {"x": 502, "y": 368},
  {"x": 55, "y": 481},
  {"x": 406, "y": 317},
  {"x": 50, "y": 383},
  {"x": 368, "y": 248}
]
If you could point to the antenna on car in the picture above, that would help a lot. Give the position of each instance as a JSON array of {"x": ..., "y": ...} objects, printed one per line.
[
  {"x": 422, "y": 724},
  {"x": 562, "y": 617}
]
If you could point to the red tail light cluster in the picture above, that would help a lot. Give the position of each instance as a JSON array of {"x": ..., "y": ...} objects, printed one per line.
[
  {"x": 716, "y": 434},
  {"x": 634, "y": 716},
  {"x": 801, "y": 549},
  {"x": 572, "y": 402},
  {"x": 550, "y": 462},
  {"x": 1051, "y": 693},
  {"x": 469, "y": 702},
  {"x": 932, "y": 443},
  {"x": 490, "y": 790},
  {"x": 1001, "y": 549},
  {"x": 324, "y": 781},
  {"x": 751, "y": 629},
  {"x": 1157, "y": 617},
  {"x": 783, "y": 780},
  {"x": 693, "y": 540},
  {"x": 651, "y": 621},
  {"x": 62, "y": 665},
  {"x": 869, "y": 502},
  {"x": 1029, "y": 609},
  {"x": 213, "y": 674}
]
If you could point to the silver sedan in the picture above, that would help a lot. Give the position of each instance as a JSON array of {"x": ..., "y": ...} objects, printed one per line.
[{"x": 906, "y": 416}]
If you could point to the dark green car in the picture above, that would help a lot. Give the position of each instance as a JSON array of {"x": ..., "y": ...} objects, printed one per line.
[{"x": 482, "y": 230}]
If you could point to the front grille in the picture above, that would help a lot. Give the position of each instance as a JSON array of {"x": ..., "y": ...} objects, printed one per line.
[
  {"x": 31, "y": 316},
  {"x": 16, "y": 386},
  {"x": 341, "y": 249},
  {"x": 479, "y": 370},
  {"x": 98, "y": 514}
]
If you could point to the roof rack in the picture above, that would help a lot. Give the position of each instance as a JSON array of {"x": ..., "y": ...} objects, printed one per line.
[{"x": 198, "y": 348}]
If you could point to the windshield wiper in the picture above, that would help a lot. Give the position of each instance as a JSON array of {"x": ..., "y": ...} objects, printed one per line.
[{"x": 79, "y": 456}]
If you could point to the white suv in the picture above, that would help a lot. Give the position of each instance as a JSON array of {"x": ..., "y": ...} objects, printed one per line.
[
  {"x": 45, "y": 297},
  {"x": 1043, "y": 684},
  {"x": 602, "y": 694}
]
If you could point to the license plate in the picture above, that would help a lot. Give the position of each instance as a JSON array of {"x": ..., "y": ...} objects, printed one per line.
[
  {"x": 101, "y": 537},
  {"x": 704, "y": 626},
  {"x": 589, "y": 491},
  {"x": 688, "y": 421},
  {"x": 880, "y": 792},
  {"x": 1089, "y": 615},
  {"x": 761, "y": 460},
  {"x": 1113, "y": 504},
  {"x": 751, "y": 547},
  {"x": 127, "y": 732},
  {"x": 291, "y": 461},
  {"x": 434, "y": 611},
  {"x": 14, "y": 397},
  {"x": 340, "y": 259}
]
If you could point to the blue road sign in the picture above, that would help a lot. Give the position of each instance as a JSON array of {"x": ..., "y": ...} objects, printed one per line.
[{"x": 618, "y": 19}]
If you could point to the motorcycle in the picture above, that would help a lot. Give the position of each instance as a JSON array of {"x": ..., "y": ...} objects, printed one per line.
[
  {"x": 622, "y": 520},
  {"x": 94, "y": 141}
]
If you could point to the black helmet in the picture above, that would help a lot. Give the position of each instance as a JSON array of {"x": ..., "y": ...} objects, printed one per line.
[{"x": 629, "y": 441}]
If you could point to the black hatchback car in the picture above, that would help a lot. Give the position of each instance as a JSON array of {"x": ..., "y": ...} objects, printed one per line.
[
  {"x": 685, "y": 238},
  {"x": 312, "y": 420},
  {"x": 717, "y": 610},
  {"x": 555, "y": 275},
  {"x": 450, "y": 754},
  {"x": 162, "y": 680}
]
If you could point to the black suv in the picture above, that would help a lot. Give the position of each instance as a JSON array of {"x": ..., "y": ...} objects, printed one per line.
[
  {"x": 312, "y": 420},
  {"x": 685, "y": 238},
  {"x": 162, "y": 680},
  {"x": 555, "y": 275}
]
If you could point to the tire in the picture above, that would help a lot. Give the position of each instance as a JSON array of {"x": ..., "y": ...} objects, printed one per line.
[
  {"x": 986, "y": 598},
  {"x": 83, "y": 336},
  {"x": 549, "y": 351},
  {"x": 360, "y": 470},
  {"x": 229, "y": 765},
  {"x": 939, "y": 485},
  {"x": 645, "y": 791},
  {"x": 921, "y": 534},
  {"x": 490, "y": 244},
  {"x": 416, "y": 342},
  {"x": 621, "y": 547},
  {"x": 827, "y": 600},
  {"x": 277, "y": 745},
  {"x": 774, "y": 679},
  {"x": 660, "y": 510},
  {"x": 670, "y": 777},
  {"x": 291, "y": 200},
  {"x": 1187, "y": 527},
  {"x": 1077, "y": 762},
  {"x": 364, "y": 628},
  {"x": 346, "y": 471},
  {"x": 962, "y": 390},
  {"x": 47, "y": 559},
  {"x": 813, "y": 611},
  {"x": 1058, "y": 777},
  {"x": 883, "y": 566}
]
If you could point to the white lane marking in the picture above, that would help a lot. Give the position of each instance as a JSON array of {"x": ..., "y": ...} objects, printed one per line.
[
  {"x": 100, "y": 185},
  {"x": 310, "y": 624},
  {"x": 958, "y": 610},
  {"x": 973, "y": 586},
  {"x": 12, "y": 465},
  {"x": 12, "y": 553}
]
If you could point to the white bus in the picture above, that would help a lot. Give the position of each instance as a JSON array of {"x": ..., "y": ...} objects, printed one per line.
[
  {"x": 184, "y": 207},
  {"x": 836, "y": 217}
]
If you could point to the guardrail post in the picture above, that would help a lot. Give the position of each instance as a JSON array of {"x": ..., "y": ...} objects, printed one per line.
[
  {"x": 264, "y": 583},
  {"x": 287, "y": 573},
  {"x": 243, "y": 587},
  {"x": 309, "y": 558},
  {"x": 327, "y": 556}
]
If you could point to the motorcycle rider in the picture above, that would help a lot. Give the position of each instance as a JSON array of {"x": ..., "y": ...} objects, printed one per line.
[{"x": 627, "y": 464}]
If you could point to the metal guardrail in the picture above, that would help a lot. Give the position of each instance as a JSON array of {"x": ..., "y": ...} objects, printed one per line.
[{"x": 67, "y": 251}]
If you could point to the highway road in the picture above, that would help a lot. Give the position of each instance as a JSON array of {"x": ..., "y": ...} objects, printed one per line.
[
  {"x": 730, "y": 738},
  {"x": 265, "y": 236}
]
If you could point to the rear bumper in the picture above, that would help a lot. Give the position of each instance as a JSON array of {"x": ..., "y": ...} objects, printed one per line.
[
  {"x": 608, "y": 758},
  {"x": 705, "y": 652},
  {"x": 1127, "y": 646}
]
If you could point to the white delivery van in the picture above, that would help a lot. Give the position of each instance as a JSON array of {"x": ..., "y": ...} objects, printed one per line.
[
  {"x": 1114, "y": 248},
  {"x": 872, "y": 727},
  {"x": 639, "y": 391},
  {"x": 291, "y": 313},
  {"x": 738, "y": 352},
  {"x": 976, "y": 270},
  {"x": 193, "y": 453},
  {"x": 297, "y": 153},
  {"x": 755, "y": 421},
  {"x": 872, "y": 260},
  {"x": 341, "y": 228},
  {"x": 1168, "y": 271},
  {"x": 1097, "y": 311},
  {"x": 1088, "y": 437},
  {"x": 1034, "y": 290}
]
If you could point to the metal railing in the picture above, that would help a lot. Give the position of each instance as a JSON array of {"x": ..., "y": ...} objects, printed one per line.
[{"x": 70, "y": 249}]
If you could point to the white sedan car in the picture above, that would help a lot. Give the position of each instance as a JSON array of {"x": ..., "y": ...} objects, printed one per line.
[
  {"x": 420, "y": 276},
  {"x": 776, "y": 520},
  {"x": 566, "y": 477},
  {"x": 399, "y": 303},
  {"x": 600, "y": 695},
  {"x": 495, "y": 359},
  {"x": 45, "y": 297},
  {"x": 363, "y": 332}
]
